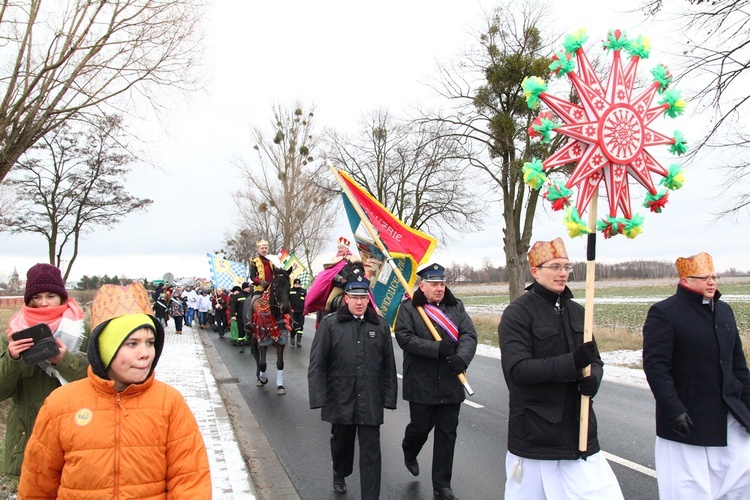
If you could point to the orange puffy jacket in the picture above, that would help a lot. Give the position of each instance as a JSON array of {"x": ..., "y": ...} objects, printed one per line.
[{"x": 90, "y": 442}]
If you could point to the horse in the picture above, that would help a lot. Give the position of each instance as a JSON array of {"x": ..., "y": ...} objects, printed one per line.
[{"x": 271, "y": 326}]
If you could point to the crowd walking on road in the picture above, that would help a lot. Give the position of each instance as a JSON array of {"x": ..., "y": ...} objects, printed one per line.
[{"x": 67, "y": 380}]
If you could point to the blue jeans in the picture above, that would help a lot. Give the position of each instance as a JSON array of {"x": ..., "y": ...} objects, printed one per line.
[
  {"x": 202, "y": 317},
  {"x": 189, "y": 316}
]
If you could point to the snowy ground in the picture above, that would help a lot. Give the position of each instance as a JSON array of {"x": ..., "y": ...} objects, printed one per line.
[{"x": 615, "y": 365}]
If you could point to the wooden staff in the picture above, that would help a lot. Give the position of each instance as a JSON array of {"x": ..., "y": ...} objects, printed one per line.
[
  {"x": 374, "y": 235},
  {"x": 588, "y": 320}
]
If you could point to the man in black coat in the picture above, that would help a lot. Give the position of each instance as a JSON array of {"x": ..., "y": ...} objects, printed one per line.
[
  {"x": 352, "y": 377},
  {"x": 695, "y": 365},
  {"x": 431, "y": 370},
  {"x": 543, "y": 357}
]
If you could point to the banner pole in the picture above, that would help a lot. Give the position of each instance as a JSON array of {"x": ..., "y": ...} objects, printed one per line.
[
  {"x": 373, "y": 234},
  {"x": 588, "y": 320}
]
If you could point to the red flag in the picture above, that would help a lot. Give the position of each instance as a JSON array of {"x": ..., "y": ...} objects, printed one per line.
[{"x": 397, "y": 237}]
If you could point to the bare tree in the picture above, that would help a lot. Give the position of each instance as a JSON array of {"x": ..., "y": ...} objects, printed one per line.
[
  {"x": 69, "y": 183},
  {"x": 414, "y": 169},
  {"x": 68, "y": 59},
  {"x": 494, "y": 118},
  {"x": 717, "y": 54},
  {"x": 281, "y": 200}
]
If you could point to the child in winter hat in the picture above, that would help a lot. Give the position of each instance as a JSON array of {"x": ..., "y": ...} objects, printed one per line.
[{"x": 44, "y": 278}]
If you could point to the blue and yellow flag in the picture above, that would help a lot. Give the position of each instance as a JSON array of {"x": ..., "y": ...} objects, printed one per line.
[{"x": 226, "y": 273}]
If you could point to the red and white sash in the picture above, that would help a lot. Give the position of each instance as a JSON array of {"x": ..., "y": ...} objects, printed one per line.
[{"x": 443, "y": 321}]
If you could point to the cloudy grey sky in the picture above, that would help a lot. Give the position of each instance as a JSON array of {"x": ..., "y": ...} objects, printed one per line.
[{"x": 347, "y": 58}]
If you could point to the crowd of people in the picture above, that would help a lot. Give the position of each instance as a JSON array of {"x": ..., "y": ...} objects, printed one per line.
[{"x": 692, "y": 358}]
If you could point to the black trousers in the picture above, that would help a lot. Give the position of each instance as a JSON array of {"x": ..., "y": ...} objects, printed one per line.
[
  {"x": 342, "y": 453},
  {"x": 444, "y": 419},
  {"x": 298, "y": 322}
]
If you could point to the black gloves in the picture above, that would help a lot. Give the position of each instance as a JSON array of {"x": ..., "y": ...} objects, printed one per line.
[
  {"x": 588, "y": 386},
  {"x": 456, "y": 365},
  {"x": 446, "y": 348},
  {"x": 584, "y": 354},
  {"x": 681, "y": 424}
]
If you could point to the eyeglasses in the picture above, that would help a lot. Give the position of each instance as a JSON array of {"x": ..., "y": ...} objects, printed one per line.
[
  {"x": 557, "y": 267},
  {"x": 704, "y": 278},
  {"x": 358, "y": 297}
]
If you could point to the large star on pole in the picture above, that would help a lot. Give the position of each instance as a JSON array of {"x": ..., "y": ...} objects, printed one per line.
[{"x": 608, "y": 134}]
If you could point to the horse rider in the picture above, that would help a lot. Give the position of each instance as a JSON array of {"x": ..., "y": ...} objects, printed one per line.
[
  {"x": 342, "y": 253},
  {"x": 262, "y": 272}
]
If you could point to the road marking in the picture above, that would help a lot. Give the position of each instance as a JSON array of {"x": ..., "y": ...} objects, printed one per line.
[
  {"x": 466, "y": 401},
  {"x": 473, "y": 404},
  {"x": 627, "y": 463}
]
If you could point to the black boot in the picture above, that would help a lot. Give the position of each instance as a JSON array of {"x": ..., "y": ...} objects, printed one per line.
[{"x": 299, "y": 340}]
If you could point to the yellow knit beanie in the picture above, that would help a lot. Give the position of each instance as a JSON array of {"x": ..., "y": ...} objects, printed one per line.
[{"x": 117, "y": 331}]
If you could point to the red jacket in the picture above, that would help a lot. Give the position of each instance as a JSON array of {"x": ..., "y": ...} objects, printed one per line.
[{"x": 90, "y": 441}]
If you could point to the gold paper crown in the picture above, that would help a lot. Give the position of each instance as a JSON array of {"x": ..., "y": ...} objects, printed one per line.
[
  {"x": 542, "y": 251},
  {"x": 342, "y": 242},
  {"x": 112, "y": 301},
  {"x": 261, "y": 243},
  {"x": 696, "y": 265}
]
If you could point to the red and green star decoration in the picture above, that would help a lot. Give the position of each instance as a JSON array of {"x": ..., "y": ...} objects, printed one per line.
[{"x": 609, "y": 135}]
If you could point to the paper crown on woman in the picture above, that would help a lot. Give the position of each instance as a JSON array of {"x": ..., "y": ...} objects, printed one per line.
[
  {"x": 695, "y": 265},
  {"x": 542, "y": 251},
  {"x": 342, "y": 242}
]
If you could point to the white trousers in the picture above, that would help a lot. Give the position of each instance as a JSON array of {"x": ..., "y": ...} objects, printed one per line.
[
  {"x": 684, "y": 471},
  {"x": 530, "y": 479}
]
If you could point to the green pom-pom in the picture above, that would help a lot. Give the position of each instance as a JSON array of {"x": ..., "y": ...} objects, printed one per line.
[
  {"x": 533, "y": 174},
  {"x": 561, "y": 64},
  {"x": 574, "y": 41},
  {"x": 616, "y": 40},
  {"x": 674, "y": 101},
  {"x": 675, "y": 179},
  {"x": 544, "y": 129},
  {"x": 557, "y": 190},
  {"x": 680, "y": 145},
  {"x": 576, "y": 227},
  {"x": 640, "y": 47},
  {"x": 656, "y": 201},
  {"x": 632, "y": 227},
  {"x": 532, "y": 87},
  {"x": 662, "y": 76}
]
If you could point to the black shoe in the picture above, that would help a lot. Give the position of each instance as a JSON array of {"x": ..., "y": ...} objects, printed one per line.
[
  {"x": 412, "y": 465},
  {"x": 339, "y": 484},
  {"x": 242, "y": 348},
  {"x": 292, "y": 340},
  {"x": 444, "y": 494}
]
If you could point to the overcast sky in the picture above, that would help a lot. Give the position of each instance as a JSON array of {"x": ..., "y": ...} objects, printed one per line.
[{"x": 347, "y": 58}]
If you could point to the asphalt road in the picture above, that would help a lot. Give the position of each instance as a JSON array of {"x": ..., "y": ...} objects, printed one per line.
[{"x": 301, "y": 440}]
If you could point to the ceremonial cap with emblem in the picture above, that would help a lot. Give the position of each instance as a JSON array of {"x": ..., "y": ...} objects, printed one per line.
[
  {"x": 357, "y": 284},
  {"x": 432, "y": 272},
  {"x": 542, "y": 251},
  {"x": 695, "y": 265}
]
